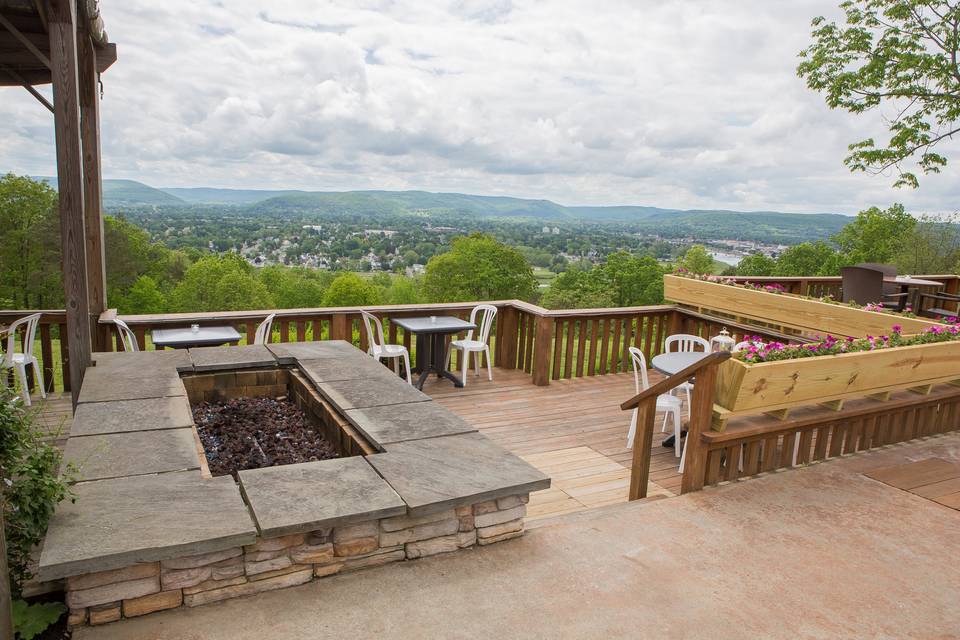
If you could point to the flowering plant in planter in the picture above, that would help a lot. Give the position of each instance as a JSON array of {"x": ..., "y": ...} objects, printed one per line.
[{"x": 759, "y": 351}]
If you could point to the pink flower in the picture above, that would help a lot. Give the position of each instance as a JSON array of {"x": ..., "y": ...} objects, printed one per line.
[{"x": 896, "y": 328}]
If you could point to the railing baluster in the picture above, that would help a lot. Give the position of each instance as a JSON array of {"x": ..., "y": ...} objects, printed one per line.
[
  {"x": 594, "y": 330},
  {"x": 46, "y": 355},
  {"x": 581, "y": 345}
]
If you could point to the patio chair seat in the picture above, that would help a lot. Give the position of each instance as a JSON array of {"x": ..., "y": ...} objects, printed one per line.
[{"x": 387, "y": 350}]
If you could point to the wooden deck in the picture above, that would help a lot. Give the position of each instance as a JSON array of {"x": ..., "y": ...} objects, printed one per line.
[
  {"x": 572, "y": 430},
  {"x": 936, "y": 479}
]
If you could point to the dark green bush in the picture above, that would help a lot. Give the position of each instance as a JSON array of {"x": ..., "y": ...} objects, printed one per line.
[{"x": 33, "y": 484}]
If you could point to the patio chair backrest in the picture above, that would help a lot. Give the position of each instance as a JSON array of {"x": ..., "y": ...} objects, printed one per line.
[
  {"x": 127, "y": 336},
  {"x": 374, "y": 329},
  {"x": 264, "y": 330},
  {"x": 862, "y": 285},
  {"x": 485, "y": 324},
  {"x": 639, "y": 370},
  {"x": 29, "y": 335},
  {"x": 888, "y": 271},
  {"x": 686, "y": 343}
]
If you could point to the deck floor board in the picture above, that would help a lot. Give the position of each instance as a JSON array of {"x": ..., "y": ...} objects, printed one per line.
[{"x": 573, "y": 430}]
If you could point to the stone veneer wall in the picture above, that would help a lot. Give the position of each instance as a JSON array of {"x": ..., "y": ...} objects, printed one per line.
[{"x": 275, "y": 563}]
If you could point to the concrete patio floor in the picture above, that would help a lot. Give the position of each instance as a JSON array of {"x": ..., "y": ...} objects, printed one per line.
[{"x": 819, "y": 552}]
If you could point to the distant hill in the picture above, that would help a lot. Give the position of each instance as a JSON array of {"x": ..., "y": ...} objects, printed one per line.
[
  {"x": 208, "y": 195},
  {"x": 398, "y": 202},
  {"x": 771, "y": 226},
  {"x": 128, "y": 192}
]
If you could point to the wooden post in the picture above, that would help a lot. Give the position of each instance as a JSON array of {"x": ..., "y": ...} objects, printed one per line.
[
  {"x": 642, "y": 444},
  {"x": 92, "y": 184},
  {"x": 700, "y": 419},
  {"x": 507, "y": 325},
  {"x": 543, "y": 347},
  {"x": 62, "y": 20},
  {"x": 340, "y": 327}
]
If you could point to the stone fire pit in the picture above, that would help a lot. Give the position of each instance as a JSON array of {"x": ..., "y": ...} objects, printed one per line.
[{"x": 151, "y": 530}]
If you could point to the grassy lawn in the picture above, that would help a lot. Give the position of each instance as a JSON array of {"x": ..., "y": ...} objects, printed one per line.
[{"x": 544, "y": 276}]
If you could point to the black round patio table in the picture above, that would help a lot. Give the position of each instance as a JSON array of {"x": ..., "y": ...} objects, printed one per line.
[{"x": 431, "y": 332}]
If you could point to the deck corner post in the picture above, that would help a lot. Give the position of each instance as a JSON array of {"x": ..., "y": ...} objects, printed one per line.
[
  {"x": 507, "y": 326},
  {"x": 543, "y": 348},
  {"x": 642, "y": 444},
  {"x": 700, "y": 419},
  {"x": 340, "y": 327}
]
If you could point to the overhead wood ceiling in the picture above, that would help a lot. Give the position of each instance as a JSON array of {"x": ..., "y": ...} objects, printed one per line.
[{"x": 19, "y": 65}]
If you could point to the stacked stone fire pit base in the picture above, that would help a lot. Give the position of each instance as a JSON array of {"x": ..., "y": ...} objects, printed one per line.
[
  {"x": 151, "y": 530},
  {"x": 286, "y": 561}
]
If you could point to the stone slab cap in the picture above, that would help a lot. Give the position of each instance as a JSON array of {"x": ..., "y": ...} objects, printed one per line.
[
  {"x": 122, "y": 416},
  {"x": 355, "y": 366},
  {"x": 116, "y": 523},
  {"x": 136, "y": 363},
  {"x": 303, "y": 497},
  {"x": 118, "y": 455},
  {"x": 438, "y": 473},
  {"x": 246, "y": 357},
  {"x": 360, "y": 394},
  {"x": 290, "y": 352},
  {"x": 105, "y": 384},
  {"x": 402, "y": 422}
]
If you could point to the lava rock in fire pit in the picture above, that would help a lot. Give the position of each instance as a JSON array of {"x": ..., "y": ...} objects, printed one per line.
[{"x": 251, "y": 433}]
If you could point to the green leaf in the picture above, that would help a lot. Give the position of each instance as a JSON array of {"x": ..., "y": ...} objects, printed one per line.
[{"x": 30, "y": 620}]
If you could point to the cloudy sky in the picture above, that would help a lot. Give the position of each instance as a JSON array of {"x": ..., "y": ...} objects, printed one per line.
[{"x": 670, "y": 103}]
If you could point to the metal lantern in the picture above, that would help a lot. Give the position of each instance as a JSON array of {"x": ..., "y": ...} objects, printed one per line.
[{"x": 722, "y": 342}]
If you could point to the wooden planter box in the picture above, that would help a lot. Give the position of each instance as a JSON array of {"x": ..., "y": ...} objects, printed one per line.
[
  {"x": 744, "y": 388},
  {"x": 801, "y": 314}
]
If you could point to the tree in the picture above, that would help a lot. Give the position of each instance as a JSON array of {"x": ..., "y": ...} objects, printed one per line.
[
  {"x": 634, "y": 280},
  {"x": 809, "y": 259},
  {"x": 756, "y": 264},
  {"x": 577, "y": 289},
  {"x": 478, "y": 267},
  {"x": 30, "y": 255},
  {"x": 932, "y": 247},
  {"x": 402, "y": 290},
  {"x": 897, "y": 54},
  {"x": 697, "y": 260},
  {"x": 144, "y": 296},
  {"x": 220, "y": 283},
  {"x": 350, "y": 290},
  {"x": 875, "y": 235},
  {"x": 295, "y": 287},
  {"x": 623, "y": 280}
]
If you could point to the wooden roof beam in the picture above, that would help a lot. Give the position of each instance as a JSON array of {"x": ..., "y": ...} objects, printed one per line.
[
  {"x": 36, "y": 94},
  {"x": 32, "y": 48}
]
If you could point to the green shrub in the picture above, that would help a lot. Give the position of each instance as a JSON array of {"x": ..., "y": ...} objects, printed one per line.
[{"x": 33, "y": 484}]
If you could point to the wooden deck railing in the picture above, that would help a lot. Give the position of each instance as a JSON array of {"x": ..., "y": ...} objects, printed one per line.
[
  {"x": 645, "y": 403},
  {"x": 547, "y": 344},
  {"x": 762, "y": 444}
]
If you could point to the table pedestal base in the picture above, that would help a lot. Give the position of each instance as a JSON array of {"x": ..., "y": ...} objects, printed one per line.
[{"x": 432, "y": 358}]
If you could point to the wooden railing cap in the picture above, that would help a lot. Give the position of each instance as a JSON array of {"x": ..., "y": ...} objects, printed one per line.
[{"x": 675, "y": 380}]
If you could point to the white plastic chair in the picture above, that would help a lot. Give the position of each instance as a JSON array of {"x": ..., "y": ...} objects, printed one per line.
[
  {"x": 380, "y": 349},
  {"x": 686, "y": 343},
  {"x": 19, "y": 361},
  {"x": 264, "y": 330},
  {"x": 127, "y": 336},
  {"x": 671, "y": 406},
  {"x": 477, "y": 347}
]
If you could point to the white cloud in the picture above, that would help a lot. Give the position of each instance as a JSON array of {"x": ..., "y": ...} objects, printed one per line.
[{"x": 668, "y": 103}]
